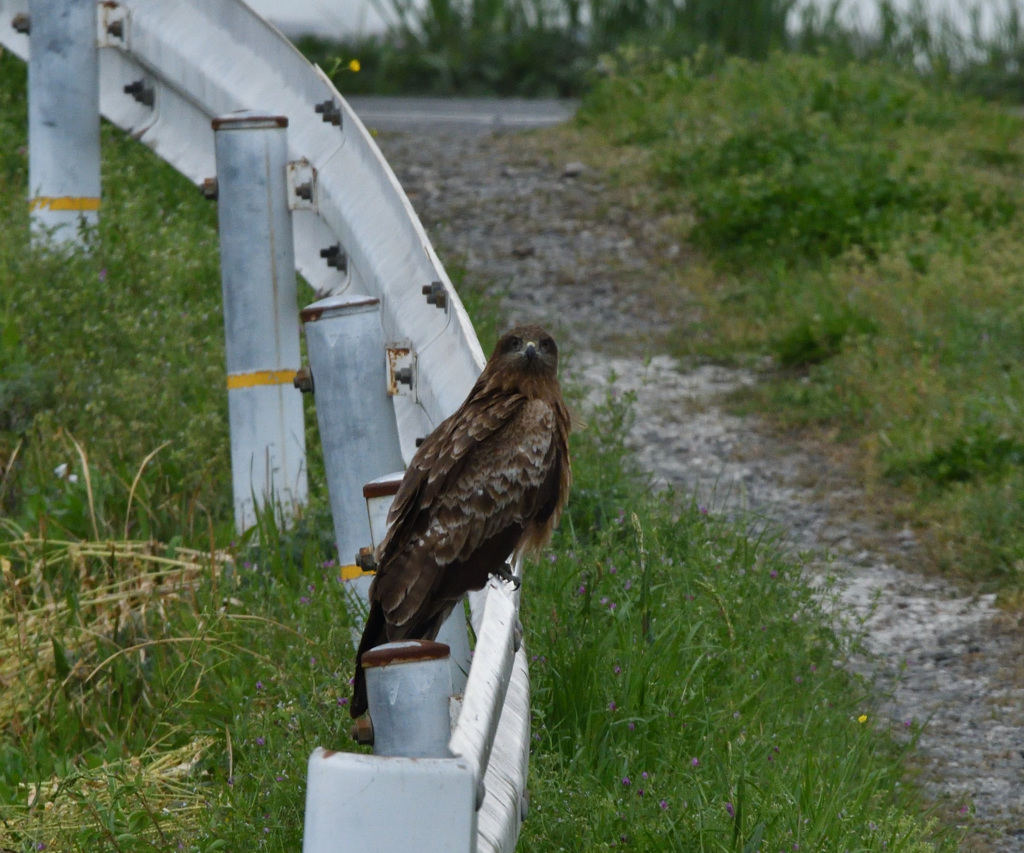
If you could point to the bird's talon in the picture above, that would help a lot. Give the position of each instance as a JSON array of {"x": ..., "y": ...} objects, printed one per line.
[{"x": 505, "y": 573}]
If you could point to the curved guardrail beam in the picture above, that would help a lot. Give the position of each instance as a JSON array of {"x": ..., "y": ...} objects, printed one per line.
[
  {"x": 167, "y": 69},
  {"x": 190, "y": 61}
]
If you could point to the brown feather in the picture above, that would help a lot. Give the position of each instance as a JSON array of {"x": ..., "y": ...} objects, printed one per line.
[{"x": 488, "y": 483}]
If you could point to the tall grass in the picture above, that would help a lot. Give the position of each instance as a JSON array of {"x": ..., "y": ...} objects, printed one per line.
[
  {"x": 549, "y": 47},
  {"x": 688, "y": 692}
]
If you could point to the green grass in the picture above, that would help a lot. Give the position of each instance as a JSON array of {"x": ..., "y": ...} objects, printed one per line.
[
  {"x": 687, "y": 690},
  {"x": 561, "y": 47},
  {"x": 164, "y": 682},
  {"x": 862, "y": 228}
]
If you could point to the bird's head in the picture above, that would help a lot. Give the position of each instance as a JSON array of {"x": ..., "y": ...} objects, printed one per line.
[{"x": 526, "y": 350}]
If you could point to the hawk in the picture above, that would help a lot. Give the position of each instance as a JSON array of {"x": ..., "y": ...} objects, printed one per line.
[{"x": 488, "y": 483}]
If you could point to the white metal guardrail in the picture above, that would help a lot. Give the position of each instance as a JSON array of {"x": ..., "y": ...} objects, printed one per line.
[{"x": 167, "y": 68}]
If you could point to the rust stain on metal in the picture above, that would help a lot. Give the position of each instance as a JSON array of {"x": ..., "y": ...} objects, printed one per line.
[
  {"x": 362, "y": 731},
  {"x": 397, "y": 357},
  {"x": 413, "y": 650},
  {"x": 383, "y": 487}
]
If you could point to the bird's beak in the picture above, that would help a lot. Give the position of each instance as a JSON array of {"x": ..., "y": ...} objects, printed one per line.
[{"x": 530, "y": 351}]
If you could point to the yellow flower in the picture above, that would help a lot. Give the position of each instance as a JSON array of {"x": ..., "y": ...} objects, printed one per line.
[
  {"x": 863, "y": 718},
  {"x": 354, "y": 65}
]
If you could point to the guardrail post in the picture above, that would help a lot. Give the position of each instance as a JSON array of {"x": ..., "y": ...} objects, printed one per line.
[
  {"x": 409, "y": 688},
  {"x": 63, "y": 118},
  {"x": 261, "y": 323},
  {"x": 358, "y": 431},
  {"x": 411, "y": 794}
]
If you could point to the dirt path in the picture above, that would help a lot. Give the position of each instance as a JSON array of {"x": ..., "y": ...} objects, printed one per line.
[{"x": 566, "y": 252}]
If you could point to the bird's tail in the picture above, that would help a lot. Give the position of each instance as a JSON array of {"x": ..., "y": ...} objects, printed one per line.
[{"x": 374, "y": 634}]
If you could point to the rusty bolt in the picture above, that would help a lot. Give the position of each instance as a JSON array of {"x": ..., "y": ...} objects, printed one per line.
[
  {"x": 209, "y": 189},
  {"x": 116, "y": 29},
  {"x": 22, "y": 23},
  {"x": 141, "y": 91},
  {"x": 303, "y": 380},
  {"x": 362, "y": 731},
  {"x": 305, "y": 191},
  {"x": 365, "y": 559},
  {"x": 435, "y": 294}
]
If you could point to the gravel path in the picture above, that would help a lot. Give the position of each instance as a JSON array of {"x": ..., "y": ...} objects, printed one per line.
[{"x": 566, "y": 250}]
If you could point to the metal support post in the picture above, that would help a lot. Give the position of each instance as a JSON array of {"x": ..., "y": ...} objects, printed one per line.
[
  {"x": 408, "y": 687},
  {"x": 261, "y": 323},
  {"x": 358, "y": 431},
  {"x": 63, "y": 118},
  {"x": 410, "y": 794}
]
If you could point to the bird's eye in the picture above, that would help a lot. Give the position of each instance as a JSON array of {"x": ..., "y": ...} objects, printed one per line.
[
  {"x": 546, "y": 344},
  {"x": 514, "y": 343}
]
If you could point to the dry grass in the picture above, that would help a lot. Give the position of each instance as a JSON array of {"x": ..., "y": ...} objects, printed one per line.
[{"x": 115, "y": 584}]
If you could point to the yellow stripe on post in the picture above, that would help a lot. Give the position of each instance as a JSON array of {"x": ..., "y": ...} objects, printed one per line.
[
  {"x": 349, "y": 573},
  {"x": 64, "y": 203},
  {"x": 260, "y": 377}
]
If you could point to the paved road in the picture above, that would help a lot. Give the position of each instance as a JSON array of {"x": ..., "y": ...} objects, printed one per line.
[{"x": 460, "y": 115}]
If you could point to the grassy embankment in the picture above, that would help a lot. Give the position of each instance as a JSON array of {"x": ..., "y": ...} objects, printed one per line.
[
  {"x": 863, "y": 229},
  {"x": 163, "y": 685}
]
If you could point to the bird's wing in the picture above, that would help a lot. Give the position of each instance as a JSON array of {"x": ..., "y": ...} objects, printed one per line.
[{"x": 481, "y": 485}]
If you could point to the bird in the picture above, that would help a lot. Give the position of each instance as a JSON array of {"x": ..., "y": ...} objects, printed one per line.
[{"x": 489, "y": 483}]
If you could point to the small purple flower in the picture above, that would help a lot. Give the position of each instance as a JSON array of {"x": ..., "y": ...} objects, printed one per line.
[
  {"x": 343, "y": 701},
  {"x": 604, "y": 599},
  {"x": 628, "y": 585},
  {"x": 695, "y": 762},
  {"x": 582, "y": 590},
  {"x": 303, "y": 600},
  {"x": 611, "y": 569},
  {"x": 279, "y": 778},
  {"x": 640, "y": 793},
  {"x": 259, "y": 685},
  {"x": 664, "y": 805},
  {"x": 612, "y": 706},
  {"x": 311, "y": 588},
  {"x": 231, "y": 780},
  {"x": 260, "y": 741},
  {"x": 703, "y": 510},
  {"x": 625, "y": 781},
  {"x": 617, "y": 669},
  {"x": 312, "y": 661},
  {"x": 643, "y": 775},
  {"x": 730, "y": 809},
  {"x": 773, "y": 574},
  {"x": 631, "y": 726}
]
